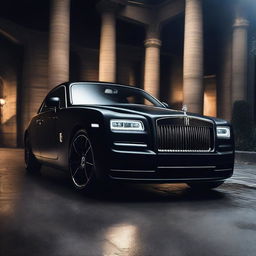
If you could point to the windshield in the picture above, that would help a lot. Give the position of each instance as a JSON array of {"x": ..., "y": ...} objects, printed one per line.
[{"x": 104, "y": 94}]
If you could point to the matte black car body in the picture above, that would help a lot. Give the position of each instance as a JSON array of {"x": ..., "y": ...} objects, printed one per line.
[{"x": 128, "y": 156}]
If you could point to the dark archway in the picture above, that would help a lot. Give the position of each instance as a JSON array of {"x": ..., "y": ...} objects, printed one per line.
[
  {"x": 172, "y": 37},
  {"x": 75, "y": 67},
  {"x": 130, "y": 38}
]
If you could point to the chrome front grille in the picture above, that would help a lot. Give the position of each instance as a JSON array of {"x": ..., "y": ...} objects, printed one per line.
[{"x": 182, "y": 135}]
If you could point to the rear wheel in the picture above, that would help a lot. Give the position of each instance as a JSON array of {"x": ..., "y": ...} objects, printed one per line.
[
  {"x": 205, "y": 185},
  {"x": 81, "y": 162},
  {"x": 32, "y": 164}
]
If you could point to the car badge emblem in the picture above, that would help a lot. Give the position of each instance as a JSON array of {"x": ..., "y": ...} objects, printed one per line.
[
  {"x": 186, "y": 121},
  {"x": 186, "y": 118}
]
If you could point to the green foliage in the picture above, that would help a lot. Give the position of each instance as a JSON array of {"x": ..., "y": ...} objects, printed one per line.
[{"x": 244, "y": 127}]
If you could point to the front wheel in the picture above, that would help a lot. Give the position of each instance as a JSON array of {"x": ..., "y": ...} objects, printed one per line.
[
  {"x": 205, "y": 185},
  {"x": 81, "y": 162}
]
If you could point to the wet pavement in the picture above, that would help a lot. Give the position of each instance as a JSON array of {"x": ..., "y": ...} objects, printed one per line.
[{"x": 43, "y": 215}]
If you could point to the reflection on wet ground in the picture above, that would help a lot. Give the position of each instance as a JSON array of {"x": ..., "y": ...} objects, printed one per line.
[{"x": 43, "y": 215}]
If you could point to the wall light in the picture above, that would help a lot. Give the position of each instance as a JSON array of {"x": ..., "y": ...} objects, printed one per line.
[{"x": 2, "y": 102}]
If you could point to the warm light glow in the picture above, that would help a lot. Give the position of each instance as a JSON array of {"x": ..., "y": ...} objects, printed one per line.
[
  {"x": 210, "y": 104},
  {"x": 120, "y": 239},
  {"x": 2, "y": 102},
  {"x": 176, "y": 95}
]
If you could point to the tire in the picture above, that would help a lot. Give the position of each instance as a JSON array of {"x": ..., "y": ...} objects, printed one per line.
[
  {"x": 205, "y": 185},
  {"x": 82, "y": 163},
  {"x": 31, "y": 163}
]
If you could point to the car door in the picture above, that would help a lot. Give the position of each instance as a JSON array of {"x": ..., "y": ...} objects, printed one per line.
[
  {"x": 50, "y": 137},
  {"x": 34, "y": 135},
  {"x": 36, "y": 132}
]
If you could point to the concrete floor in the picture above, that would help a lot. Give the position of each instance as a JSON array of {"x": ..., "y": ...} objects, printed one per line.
[{"x": 44, "y": 216}]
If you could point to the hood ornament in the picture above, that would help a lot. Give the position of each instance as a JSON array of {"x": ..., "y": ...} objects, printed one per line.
[
  {"x": 185, "y": 109},
  {"x": 186, "y": 118}
]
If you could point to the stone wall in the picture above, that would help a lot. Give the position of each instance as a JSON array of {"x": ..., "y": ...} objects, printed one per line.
[
  {"x": 35, "y": 78},
  {"x": 9, "y": 64},
  {"x": 129, "y": 65},
  {"x": 24, "y": 74}
]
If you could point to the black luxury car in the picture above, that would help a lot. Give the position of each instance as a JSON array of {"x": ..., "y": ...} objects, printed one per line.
[{"x": 100, "y": 132}]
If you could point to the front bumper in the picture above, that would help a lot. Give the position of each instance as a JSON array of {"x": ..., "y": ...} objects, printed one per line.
[{"x": 150, "y": 167}]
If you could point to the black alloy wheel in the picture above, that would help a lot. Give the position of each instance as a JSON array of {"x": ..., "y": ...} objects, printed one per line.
[{"x": 81, "y": 162}]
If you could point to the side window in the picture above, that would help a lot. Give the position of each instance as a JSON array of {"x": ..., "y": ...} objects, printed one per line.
[{"x": 60, "y": 93}]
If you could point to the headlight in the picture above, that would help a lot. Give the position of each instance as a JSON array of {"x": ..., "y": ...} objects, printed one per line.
[
  {"x": 223, "y": 132},
  {"x": 126, "y": 125}
]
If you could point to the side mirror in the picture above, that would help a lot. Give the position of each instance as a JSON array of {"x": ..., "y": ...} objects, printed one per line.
[
  {"x": 53, "y": 102},
  {"x": 165, "y": 104}
]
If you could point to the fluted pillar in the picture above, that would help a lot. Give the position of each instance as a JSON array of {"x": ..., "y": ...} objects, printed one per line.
[
  {"x": 152, "y": 66},
  {"x": 193, "y": 57},
  {"x": 107, "y": 61},
  {"x": 224, "y": 75},
  {"x": 59, "y": 42},
  {"x": 239, "y": 59}
]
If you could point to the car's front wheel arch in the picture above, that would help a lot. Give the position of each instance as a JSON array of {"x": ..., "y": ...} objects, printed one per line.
[
  {"x": 99, "y": 138},
  {"x": 81, "y": 163}
]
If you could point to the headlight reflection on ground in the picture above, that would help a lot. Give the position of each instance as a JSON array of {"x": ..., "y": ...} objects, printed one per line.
[{"x": 121, "y": 239}]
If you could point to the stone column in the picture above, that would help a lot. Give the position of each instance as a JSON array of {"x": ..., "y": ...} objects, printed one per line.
[
  {"x": 107, "y": 61},
  {"x": 59, "y": 42},
  {"x": 152, "y": 66},
  {"x": 239, "y": 59},
  {"x": 193, "y": 57},
  {"x": 224, "y": 77}
]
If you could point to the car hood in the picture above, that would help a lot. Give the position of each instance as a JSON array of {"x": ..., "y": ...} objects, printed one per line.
[
  {"x": 147, "y": 111},
  {"x": 141, "y": 110},
  {"x": 154, "y": 112}
]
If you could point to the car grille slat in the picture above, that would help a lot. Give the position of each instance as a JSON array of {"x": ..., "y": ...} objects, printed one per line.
[{"x": 179, "y": 137}]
